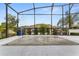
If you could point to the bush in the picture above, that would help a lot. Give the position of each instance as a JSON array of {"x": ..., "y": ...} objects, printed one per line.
[
  {"x": 36, "y": 31},
  {"x": 48, "y": 32},
  {"x": 42, "y": 30},
  {"x": 74, "y": 34},
  {"x": 54, "y": 31},
  {"x": 29, "y": 31}
]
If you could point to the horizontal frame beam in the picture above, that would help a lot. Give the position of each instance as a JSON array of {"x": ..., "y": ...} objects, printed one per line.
[
  {"x": 43, "y": 14},
  {"x": 48, "y": 14}
]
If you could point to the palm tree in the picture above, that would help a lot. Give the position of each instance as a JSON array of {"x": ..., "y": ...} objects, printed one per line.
[{"x": 68, "y": 21}]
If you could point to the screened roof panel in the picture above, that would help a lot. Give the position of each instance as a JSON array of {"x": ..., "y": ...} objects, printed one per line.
[
  {"x": 27, "y": 6},
  {"x": 43, "y": 11},
  {"x": 60, "y": 4},
  {"x": 2, "y": 13},
  {"x": 75, "y": 8},
  {"x": 66, "y": 9},
  {"x": 57, "y": 10},
  {"x": 21, "y": 6},
  {"x": 42, "y": 4},
  {"x": 43, "y": 19},
  {"x": 26, "y": 20}
]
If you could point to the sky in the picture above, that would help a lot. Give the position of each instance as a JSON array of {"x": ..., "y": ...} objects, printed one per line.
[{"x": 29, "y": 19}]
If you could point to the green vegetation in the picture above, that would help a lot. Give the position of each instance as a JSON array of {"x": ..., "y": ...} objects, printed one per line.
[
  {"x": 48, "y": 32},
  {"x": 11, "y": 26},
  {"x": 36, "y": 31},
  {"x": 69, "y": 22},
  {"x": 54, "y": 31},
  {"x": 42, "y": 28},
  {"x": 75, "y": 34},
  {"x": 39, "y": 28},
  {"x": 66, "y": 21},
  {"x": 29, "y": 31}
]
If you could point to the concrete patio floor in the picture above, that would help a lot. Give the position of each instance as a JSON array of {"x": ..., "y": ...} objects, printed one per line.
[
  {"x": 41, "y": 40},
  {"x": 61, "y": 50},
  {"x": 39, "y": 50}
]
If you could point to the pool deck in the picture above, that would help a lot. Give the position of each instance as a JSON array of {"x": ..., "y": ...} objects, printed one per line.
[
  {"x": 41, "y": 40},
  {"x": 50, "y": 50},
  {"x": 60, "y": 50}
]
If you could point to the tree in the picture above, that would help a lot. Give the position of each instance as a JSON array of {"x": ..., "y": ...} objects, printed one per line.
[
  {"x": 42, "y": 30},
  {"x": 35, "y": 31},
  {"x": 48, "y": 31},
  {"x": 29, "y": 31},
  {"x": 43, "y": 27},
  {"x": 2, "y": 29},
  {"x": 11, "y": 24},
  {"x": 68, "y": 20}
]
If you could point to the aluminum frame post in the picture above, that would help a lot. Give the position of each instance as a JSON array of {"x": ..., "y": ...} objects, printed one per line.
[{"x": 6, "y": 5}]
